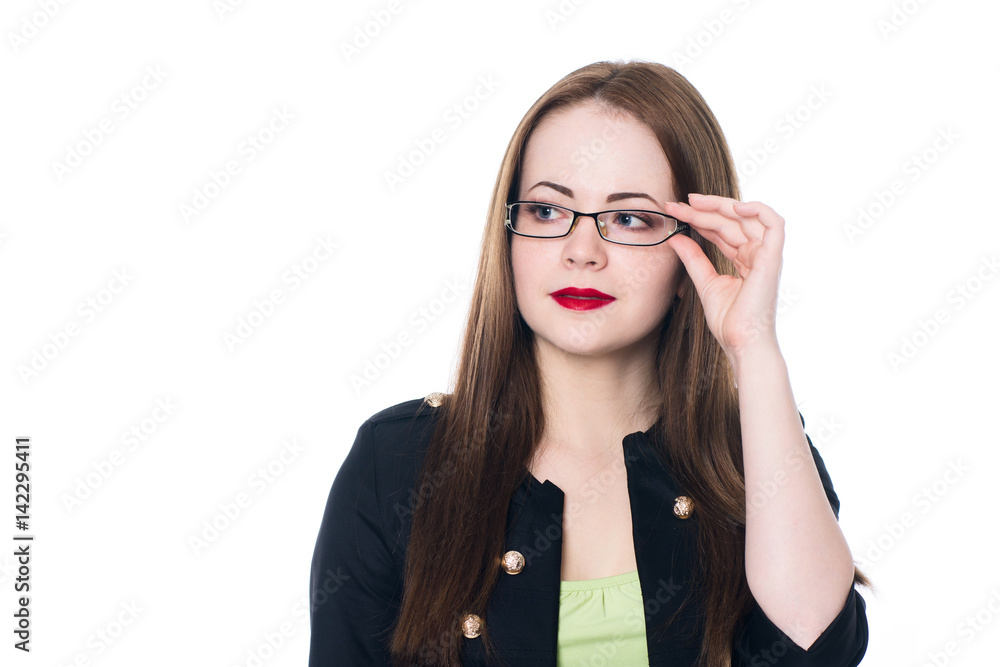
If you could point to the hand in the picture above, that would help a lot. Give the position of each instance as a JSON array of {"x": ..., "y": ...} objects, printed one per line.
[{"x": 740, "y": 310}]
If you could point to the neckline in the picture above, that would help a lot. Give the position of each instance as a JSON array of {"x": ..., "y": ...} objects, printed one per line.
[
  {"x": 626, "y": 444},
  {"x": 613, "y": 581},
  {"x": 636, "y": 446}
]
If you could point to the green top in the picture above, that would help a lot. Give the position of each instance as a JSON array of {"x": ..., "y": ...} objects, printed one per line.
[{"x": 601, "y": 621}]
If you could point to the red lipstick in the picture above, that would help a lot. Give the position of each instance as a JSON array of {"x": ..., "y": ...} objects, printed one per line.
[{"x": 576, "y": 298}]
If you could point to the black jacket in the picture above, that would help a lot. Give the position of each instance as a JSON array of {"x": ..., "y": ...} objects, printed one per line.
[{"x": 357, "y": 567}]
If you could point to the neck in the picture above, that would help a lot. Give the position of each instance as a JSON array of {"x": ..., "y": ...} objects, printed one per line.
[{"x": 592, "y": 402}]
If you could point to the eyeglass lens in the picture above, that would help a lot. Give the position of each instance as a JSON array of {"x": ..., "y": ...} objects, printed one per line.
[{"x": 635, "y": 227}]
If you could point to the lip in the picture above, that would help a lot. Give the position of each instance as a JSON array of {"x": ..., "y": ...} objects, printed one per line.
[{"x": 577, "y": 298}]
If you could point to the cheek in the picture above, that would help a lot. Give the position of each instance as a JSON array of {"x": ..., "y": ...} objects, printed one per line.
[
  {"x": 517, "y": 262},
  {"x": 524, "y": 264},
  {"x": 658, "y": 280}
]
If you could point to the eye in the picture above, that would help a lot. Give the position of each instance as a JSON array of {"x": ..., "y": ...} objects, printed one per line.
[
  {"x": 631, "y": 219},
  {"x": 545, "y": 212}
]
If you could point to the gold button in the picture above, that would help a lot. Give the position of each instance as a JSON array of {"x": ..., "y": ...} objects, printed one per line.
[
  {"x": 683, "y": 506},
  {"x": 472, "y": 626},
  {"x": 513, "y": 562},
  {"x": 434, "y": 399}
]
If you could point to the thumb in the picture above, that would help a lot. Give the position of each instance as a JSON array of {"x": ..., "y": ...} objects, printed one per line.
[{"x": 698, "y": 266}]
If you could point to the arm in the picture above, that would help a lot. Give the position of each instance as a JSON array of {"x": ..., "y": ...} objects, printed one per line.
[
  {"x": 799, "y": 566},
  {"x": 843, "y": 642},
  {"x": 354, "y": 581}
]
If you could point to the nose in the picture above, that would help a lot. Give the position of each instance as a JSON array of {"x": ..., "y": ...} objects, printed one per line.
[{"x": 584, "y": 246}]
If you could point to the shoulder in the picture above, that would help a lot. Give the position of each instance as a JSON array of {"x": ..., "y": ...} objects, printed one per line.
[
  {"x": 363, "y": 536},
  {"x": 390, "y": 443},
  {"x": 404, "y": 427},
  {"x": 390, "y": 448},
  {"x": 424, "y": 406},
  {"x": 378, "y": 475}
]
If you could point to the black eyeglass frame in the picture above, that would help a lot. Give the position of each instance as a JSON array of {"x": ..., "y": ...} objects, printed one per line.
[{"x": 681, "y": 225}]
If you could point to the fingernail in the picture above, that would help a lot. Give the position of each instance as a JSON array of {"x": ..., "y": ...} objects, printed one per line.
[{"x": 694, "y": 194}]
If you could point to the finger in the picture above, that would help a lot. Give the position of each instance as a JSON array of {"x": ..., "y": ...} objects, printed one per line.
[
  {"x": 766, "y": 219},
  {"x": 764, "y": 213},
  {"x": 728, "y": 251},
  {"x": 732, "y": 209},
  {"x": 694, "y": 259},
  {"x": 704, "y": 221},
  {"x": 738, "y": 253},
  {"x": 722, "y": 205}
]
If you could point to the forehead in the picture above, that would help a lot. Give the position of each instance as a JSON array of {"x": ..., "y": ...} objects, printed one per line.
[{"x": 588, "y": 148}]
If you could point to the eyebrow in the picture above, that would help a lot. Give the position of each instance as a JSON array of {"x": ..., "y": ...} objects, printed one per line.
[{"x": 613, "y": 197}]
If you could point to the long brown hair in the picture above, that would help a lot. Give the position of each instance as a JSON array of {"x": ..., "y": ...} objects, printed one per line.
[{"x": 492, "y": 421}]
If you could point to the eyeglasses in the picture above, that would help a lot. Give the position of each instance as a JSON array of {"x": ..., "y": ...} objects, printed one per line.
[{"x": 628, "y": 227}]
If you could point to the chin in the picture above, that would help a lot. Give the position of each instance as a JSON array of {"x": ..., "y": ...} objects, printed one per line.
[{"x": 584, "y": 342}]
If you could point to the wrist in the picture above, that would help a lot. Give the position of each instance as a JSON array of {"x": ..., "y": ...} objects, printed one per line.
[{"x": 747, "y": 361}]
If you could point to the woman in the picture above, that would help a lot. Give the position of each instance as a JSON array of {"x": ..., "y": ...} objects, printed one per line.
[{"x": 620, "y": 474}]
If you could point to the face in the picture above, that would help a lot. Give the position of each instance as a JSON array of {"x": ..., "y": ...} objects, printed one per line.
[{"x": 586, "y": 160}]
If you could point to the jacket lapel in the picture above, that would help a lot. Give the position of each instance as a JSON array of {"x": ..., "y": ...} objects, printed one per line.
[{"x": 665, "y": 548}]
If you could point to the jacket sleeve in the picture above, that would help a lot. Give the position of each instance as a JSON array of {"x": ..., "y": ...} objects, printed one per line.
[
  {"x": 354, "y": 579},
  {"x": 842, "y": 644}
]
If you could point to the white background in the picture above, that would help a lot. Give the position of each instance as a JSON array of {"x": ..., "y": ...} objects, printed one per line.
[{"x": 886, "y": 430}]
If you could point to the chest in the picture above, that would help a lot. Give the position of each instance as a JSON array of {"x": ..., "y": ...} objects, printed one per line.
[
  {"x": 560, "y": 523},
  {"x": 597, "y": 518}
]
